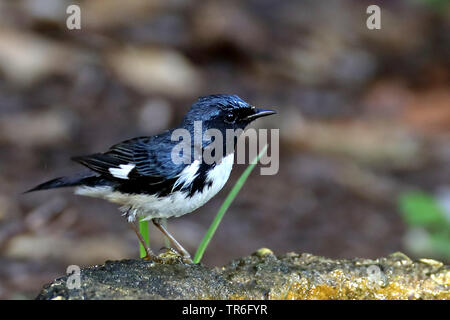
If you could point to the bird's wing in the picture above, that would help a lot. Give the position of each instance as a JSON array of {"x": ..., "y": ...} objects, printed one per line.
[{"x": 143, "y": 157}]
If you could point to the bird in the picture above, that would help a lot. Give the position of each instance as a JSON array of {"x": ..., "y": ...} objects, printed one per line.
[{"x": 146, "y": 180}]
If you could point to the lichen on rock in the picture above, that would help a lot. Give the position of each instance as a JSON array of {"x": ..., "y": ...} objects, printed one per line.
[{"x": 262, "y": 276}]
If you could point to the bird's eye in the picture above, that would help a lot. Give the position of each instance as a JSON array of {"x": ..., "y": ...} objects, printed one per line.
[{"x": 230, "y": 118}]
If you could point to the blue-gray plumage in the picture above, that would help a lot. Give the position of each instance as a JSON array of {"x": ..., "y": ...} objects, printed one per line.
[{"x": 141, "y": 176}]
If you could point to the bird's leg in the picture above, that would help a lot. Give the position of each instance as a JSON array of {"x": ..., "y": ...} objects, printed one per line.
[
  {"x": 184, "y": 252},
  {"x": 149, "y": 253}
]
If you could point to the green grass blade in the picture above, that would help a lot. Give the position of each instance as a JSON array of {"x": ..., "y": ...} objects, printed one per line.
[
  {"x": 143, "y": 229},
  {"x": 226, "y": 204}
]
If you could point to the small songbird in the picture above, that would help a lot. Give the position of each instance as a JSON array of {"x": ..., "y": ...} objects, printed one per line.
[{"x": 142, "y": 176}]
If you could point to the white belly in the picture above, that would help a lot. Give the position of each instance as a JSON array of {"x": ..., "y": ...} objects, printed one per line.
[{"x": 174, "y": 205}]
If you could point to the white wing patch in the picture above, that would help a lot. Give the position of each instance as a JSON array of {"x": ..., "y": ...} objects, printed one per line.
[
  {"x": 123, "y": 171},
  {"x": 221, "y": 172},
  {"x": 187, "y": 176}
]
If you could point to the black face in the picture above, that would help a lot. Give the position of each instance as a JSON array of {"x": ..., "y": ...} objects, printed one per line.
[
  {"x": 225, "y": 112},
  {"x": 241, "y": 117}
]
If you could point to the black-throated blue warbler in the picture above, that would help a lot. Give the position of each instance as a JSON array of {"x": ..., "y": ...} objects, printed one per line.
[{"x": 141, "y": 176}]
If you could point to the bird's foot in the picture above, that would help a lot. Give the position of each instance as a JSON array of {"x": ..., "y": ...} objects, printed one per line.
[
  {"x": 154, "y": 258},
  {"x": 188, "y": 260},
  {"x": 171, "y": 255}
]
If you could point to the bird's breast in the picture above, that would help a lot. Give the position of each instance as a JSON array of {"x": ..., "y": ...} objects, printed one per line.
[
  {"x": 217, "y": 176},
  {"x": 199, "y": 185}
]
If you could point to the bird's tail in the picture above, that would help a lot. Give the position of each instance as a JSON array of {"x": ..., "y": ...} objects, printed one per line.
[{"x": 62, "y": 182}]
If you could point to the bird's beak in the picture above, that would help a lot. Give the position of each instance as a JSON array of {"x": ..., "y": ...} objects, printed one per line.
[{"x": 259, "y": 113}]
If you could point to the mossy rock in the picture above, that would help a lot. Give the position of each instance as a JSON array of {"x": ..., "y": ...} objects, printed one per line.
[{"x": 262, "y": 276}]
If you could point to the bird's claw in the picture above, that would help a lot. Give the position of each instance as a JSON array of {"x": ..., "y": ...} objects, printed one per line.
[
  {"x": 170, "y": 256},
  {"x": 153, "y": 258}
]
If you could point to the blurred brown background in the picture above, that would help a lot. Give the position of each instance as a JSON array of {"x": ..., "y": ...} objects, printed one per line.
[{"x": 364, "y": 116}]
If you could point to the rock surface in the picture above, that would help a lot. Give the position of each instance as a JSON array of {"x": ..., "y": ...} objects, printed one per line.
[{"x": 262, "y": 276}]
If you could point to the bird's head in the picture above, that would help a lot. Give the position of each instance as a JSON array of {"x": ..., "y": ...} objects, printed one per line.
[{"x": 222, "y": 111}]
